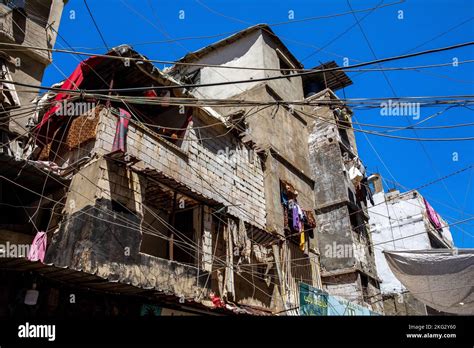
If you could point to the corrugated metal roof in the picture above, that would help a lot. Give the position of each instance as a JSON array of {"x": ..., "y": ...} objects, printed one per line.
[{"x": 333, "y": 80}]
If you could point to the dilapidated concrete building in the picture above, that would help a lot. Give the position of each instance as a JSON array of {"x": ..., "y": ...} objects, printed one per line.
[
  {"x": 341, "y": 193},
  {"x": 279, "y": 133},
  {"x": 147, "y": 187},
  {"x": 175, "y": 210}
]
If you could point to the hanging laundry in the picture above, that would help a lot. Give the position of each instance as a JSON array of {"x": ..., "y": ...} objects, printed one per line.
[
  {"x": 300, "y": 213},
  {"x": 242, "y": 244},
  {"x": 432, "y": 215},
  {"x": 150, "y": 93},
  {"x": 216, "y": 301},
  {"x": 296, "y": 217},
  {"x": 38, "y": 247},
  {"x": 366, "y": 191},
  {"x": 121, "y": 130},
  {"x": 355, "y": 175},
  {"x": 53, "y": 119},
  {"x": 302, "y": 240},
  {"x": 310, "y": 219},
  {"x": 284, "y": 198},
  {"x": 309, "y": 223}
]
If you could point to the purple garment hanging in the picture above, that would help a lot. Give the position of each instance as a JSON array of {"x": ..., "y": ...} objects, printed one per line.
[
  {"x": 38, "y": 247},
  {"x": 296, "y": 217},
  {"x": 432, "y": 215}
]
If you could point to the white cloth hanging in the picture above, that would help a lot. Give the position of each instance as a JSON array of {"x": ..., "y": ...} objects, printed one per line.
[{"x": 442, "y": 279}]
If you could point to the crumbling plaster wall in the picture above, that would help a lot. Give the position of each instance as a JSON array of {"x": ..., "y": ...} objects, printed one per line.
[{"x": 97, "y": 239}]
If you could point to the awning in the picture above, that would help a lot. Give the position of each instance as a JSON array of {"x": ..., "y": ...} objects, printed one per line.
[
  {"x": 29, "y": 174},
  {"x": 86, "y": 280},
  {"x": 442, "y": 278}
]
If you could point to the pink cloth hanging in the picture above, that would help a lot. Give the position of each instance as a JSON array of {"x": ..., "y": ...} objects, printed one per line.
[
  {"x": 432, "y": 215},
  {"x": 38, "y": 247}
]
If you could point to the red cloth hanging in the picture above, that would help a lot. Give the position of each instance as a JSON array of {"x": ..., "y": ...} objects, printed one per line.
[
  {"x": 120, "y": 140},
  {"x": 49, "y": 124},
  {"x": 216, "y": 301}
]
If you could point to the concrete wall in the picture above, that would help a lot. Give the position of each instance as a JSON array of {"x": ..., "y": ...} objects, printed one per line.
[
  {"x": 97, "y": 239},
  {"x": 286, "y": 134},
  {"x": 346, "y": 251},
  {"x": 402, "y": 304},
  {"x": 327, "y": 169},
  {"x": 257, "y": 49},
  {"x": 334, "y": 236},
  {"x": 236, "y": 182},
  {"x": 28, "y": 65},
  {"x": 288, "y": 88},
  {"x": 334, "y": 193},
  {"x": 247, "y": 51},
  {"x": 329, "y": 165},
  {"x": 351, "y": 287},
  {"x": 346, "y": 285}
]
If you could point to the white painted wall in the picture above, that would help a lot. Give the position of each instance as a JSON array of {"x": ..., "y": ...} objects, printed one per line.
[
  {"x": 254, "y": 50},
  {"x": 400, "y": 232},
  {"x": 246, "y": 51}
]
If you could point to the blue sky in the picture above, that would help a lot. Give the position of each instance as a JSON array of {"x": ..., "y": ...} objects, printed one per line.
[{"x": 410, "y": 164}]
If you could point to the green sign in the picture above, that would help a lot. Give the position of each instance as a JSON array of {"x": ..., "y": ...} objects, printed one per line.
[{"x": 314, "y": 301}]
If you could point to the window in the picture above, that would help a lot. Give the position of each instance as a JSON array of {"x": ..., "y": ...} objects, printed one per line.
[
  {"x": 184, "y": 223},
  {"x": 8, "y": 96},
  {"x": 157, "y": 240},
  {"x": 170, "y": 225},
  {"x": 35, "y": 10}
]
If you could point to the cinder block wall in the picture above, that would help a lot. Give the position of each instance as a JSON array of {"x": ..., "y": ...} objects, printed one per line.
[{"x": 236, "y": 182}]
